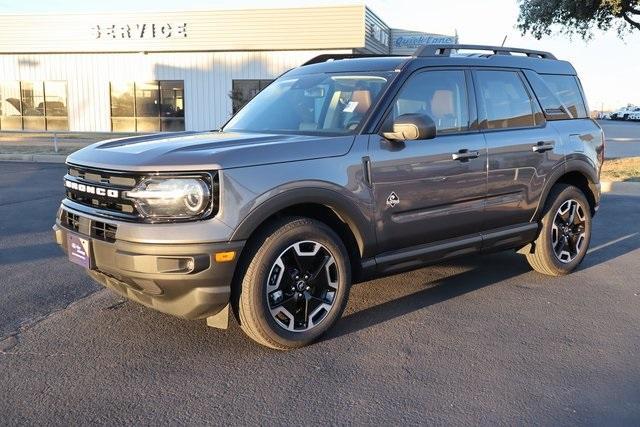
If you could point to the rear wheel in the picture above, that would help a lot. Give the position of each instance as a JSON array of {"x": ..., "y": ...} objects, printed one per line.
[
  {"x": 565, "y": 233},
  {"x": 296, "y": 284}
]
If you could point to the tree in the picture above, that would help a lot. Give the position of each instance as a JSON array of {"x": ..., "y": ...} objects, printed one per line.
[{"x": 542, "y": 17}]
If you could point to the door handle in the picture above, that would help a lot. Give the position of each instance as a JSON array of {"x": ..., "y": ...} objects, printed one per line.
[
  {"x": 542, "y": 146},
  {"x": 464, "y": 155}
]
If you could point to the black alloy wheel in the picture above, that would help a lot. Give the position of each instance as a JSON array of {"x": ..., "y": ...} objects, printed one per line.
[
  {"x": 295, "y": 283},
  {"x": 302, "y": 285},
  {"x": 568, "y": 231}
]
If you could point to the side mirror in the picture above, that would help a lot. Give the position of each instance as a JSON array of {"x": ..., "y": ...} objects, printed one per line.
[{"x": 408, "y": 127}]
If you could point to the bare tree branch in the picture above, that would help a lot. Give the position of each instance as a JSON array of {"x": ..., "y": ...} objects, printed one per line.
[
  {"x": 631, "y": 21},
  {"x": 627, "y": 7}
]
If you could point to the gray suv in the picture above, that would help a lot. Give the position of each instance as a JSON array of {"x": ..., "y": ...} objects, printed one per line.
[{"x": 342, "y": 169}]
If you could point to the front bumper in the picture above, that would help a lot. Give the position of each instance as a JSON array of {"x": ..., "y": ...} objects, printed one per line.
[{"x": 183, "y": 279}]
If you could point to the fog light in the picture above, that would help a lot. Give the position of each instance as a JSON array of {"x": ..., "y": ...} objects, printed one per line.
[{"x": 225, "y": 256}]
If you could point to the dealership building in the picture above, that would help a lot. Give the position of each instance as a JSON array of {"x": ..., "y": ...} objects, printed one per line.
[{"x": 171, "y": 71}]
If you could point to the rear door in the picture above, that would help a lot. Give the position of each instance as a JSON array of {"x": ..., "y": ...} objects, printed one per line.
[
  {"x": 521, "y": 146},
  {"x": 430, "y": 190}
]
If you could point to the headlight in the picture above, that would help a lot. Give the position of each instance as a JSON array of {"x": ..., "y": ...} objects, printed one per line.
[{"x": 172, "y": 198}]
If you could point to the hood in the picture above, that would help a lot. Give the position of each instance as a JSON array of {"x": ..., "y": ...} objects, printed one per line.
[{"x": 188, "y": 151}]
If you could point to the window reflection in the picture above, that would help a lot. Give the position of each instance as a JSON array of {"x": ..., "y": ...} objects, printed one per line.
[
  {"x": 57, "y": 115},
  {"x": 440, "y": 94},
  {"x": 122, "y": 100},
  {"x": 33, "y": 105},
  {"x": 505, "y": 100},
  {"x": 147, "y": 106},
  {"x": 10, "y": 106},
  {"x": 147, "y": 100},
  {"x": 244, "y": 90},
  {"x": 566, "y": 89},
  {"x": 172, "y": 105}
]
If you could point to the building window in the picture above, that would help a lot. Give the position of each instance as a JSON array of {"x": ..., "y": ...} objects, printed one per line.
[
  {"x": 10, "y": 106},
  {"x": 156, "y": 106},
  {"x": 243, "y": 91},
  {"x": 34, "y": 105}
]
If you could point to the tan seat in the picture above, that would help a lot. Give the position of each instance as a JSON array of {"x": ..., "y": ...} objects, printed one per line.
[
  {"x": 363, "y": 98},
  {"x": 442, "y": 104},
  {"x": 443, "y": 110}
]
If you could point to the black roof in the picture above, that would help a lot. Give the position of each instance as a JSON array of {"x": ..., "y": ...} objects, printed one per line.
[
  {"x": 440, "y": 56},
  {"x": 365, "y": 63}
]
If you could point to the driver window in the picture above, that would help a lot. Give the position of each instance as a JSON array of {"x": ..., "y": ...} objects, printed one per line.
[{"x": 440, "y": 94}]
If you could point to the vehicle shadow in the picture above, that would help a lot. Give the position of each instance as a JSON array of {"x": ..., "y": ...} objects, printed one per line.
[
  {"x": 483, "y": 271},
  {"x": 611, "y": 239}
]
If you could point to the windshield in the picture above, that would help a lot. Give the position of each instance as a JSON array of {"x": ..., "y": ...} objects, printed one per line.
[{"x": 332, "y": 104}]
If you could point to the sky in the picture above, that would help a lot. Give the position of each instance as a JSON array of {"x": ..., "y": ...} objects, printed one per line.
[{"x": 608, "y": 66}]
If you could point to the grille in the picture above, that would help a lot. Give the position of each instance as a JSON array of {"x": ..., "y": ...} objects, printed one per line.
[
  {"x": 72, "y": 221},
  {"x": 103, "y": 231},
  {"x": 103, "y": 191},
  {"x": 82, "y": 225},
  {"x": 102, "y": 180},
  {"x": 103, "y": 177}
]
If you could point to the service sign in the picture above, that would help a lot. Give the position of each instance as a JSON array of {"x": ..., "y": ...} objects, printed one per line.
[{"x": 140, "y": 30}]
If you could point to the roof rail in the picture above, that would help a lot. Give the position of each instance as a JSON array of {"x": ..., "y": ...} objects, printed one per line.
[
  {"x": 430, "y": 50},
  {"x": 336, "y": 56}
]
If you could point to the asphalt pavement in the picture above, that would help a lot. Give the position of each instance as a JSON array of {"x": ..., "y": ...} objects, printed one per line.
[{"x": 482, "y": 340}]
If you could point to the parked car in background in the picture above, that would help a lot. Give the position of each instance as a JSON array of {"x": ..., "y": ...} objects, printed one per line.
[{"x": 630, "y": 112}]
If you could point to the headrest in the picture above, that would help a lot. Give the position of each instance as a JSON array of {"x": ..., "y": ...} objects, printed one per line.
[
  {"x": 442, "y": 103},
  {"x": 363, "y": 98}
]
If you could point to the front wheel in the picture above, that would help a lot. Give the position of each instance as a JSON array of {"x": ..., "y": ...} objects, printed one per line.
[
  {"x": 564, "y": 234},
  {"x": 296, "y": 284}
]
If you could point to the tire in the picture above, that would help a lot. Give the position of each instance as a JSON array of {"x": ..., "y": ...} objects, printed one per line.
[
  {"x": 287, "y": 282},
  {"x": 561, "y": 245}
]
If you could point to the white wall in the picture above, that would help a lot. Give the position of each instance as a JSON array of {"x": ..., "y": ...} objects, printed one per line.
[
  {"x": 300, "y": 28},
  {"x": 207, "y": 79}
]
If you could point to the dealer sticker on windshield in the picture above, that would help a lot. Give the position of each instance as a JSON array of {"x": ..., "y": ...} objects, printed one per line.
[
  {"x": 79, "y": 250},
  {"x": 351, "y": 107}
]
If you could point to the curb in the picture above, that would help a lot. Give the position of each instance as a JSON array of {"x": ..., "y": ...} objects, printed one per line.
[
  {"x": 37, "y": 158},
  {"x": 620, "y": 186}
]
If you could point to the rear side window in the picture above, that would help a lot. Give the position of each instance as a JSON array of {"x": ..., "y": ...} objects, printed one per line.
[
  {"x": 566, "y": 89},
  {"x": 553, "y": 108},
  {"x": 505, "y": 101}
]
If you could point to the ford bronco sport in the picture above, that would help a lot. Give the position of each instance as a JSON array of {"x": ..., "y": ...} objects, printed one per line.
[{"x": 340, "y": 170}]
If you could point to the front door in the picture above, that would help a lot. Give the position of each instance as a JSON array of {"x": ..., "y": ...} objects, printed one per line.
[{"x": 430, "y": 190}]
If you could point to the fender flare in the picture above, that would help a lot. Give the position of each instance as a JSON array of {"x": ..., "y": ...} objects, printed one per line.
[
  {"x": 582, "y": 166},
  {"x": 343, "y": 207}
]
